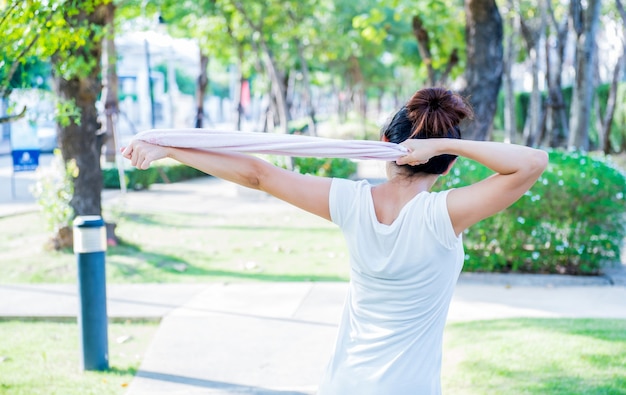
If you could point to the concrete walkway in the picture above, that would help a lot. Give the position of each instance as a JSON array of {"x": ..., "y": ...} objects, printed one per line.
[{"x": 275, "y": 338}]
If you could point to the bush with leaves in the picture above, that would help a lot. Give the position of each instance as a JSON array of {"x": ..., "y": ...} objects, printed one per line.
[
  {"x": 325, "y": 167},
  {"x": 54, "y": 190},
  {"x": 572, "y": 221},
  {"x": 142, "y": 179}
]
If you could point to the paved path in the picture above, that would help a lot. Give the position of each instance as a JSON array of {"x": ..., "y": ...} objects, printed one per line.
[{"x": 274, "y": 338}]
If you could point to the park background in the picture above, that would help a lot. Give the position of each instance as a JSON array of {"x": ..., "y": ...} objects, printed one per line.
[{"x": 84, "y": 76}]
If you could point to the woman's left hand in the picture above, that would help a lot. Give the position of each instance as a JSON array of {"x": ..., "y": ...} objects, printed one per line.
[{"x": 142, "y": 154}]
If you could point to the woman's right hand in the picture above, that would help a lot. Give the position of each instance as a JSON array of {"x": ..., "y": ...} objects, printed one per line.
[
  {"x": 420, "y": 151},
  {"x": 142, "y": 154}
]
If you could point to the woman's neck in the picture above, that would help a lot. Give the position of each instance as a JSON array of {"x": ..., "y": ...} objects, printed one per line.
[
  {"x": 416, "y": 183},
  {"x": 390, "y": 197}
]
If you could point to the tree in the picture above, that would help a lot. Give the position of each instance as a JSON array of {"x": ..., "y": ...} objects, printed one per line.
[
  {"x": 23, "y": 28},
  {"x": 483, "y": 73},
  {"x": 439, "y": 40},
  {"x": 77, "y": 79},
  {"x": 222, "y": 37},
  {"x": 585, "y": 24},
  {"x": 532, "y": 27},
  {"x": 201, "y": 87},
  {"x": 510, "y": 50},
  {"x": 69, "y": 33},
  {"x": 426, "y": 36},
  {"x": 262, "y": 18},
  {"x": 556, "y": 112},
  {"x": 607, "y": 120},
  {"x": 110, "y": 89}
]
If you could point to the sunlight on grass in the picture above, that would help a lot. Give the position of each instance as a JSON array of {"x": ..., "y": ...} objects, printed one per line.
[
  {"x": 504, "y": 357},
  {"x": 535, "y": 356},
  {"x": 174, "y": 247},
  {"x": 43, "y": 358}
]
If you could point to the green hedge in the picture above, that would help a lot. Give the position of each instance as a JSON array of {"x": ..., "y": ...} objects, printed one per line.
[
  {"x": 325, "y": 167},
  {"x": 572, "y": 221},
  {"x": 141, "y": 179}
]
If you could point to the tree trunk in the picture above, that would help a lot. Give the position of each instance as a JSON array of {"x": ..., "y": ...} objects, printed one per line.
[
  {"x": 237, "y": 109},
  {"x": 483, "y": 73},
  {"x": 423, "y": 46},
  {"x": 278, "y": 87},
  {"x": 308, "y": 94},
  {"x": 532, "y": 31},
  {"x": 510, "y": 126},
  {"x": 557, "y": 124},
  {"x": 201, "y": 87},
  {"x": 110, "y": 88},
  {"x": 80, "y": 141},
  {"x": 607, "y": 119},
  {"x": 586, "y": 24},
  {"x": 276, "y": 78}
]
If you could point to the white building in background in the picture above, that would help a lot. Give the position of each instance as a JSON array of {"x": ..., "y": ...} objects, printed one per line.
[
  {"x": 139, "y": 53},
  {"x": 172, "y": 109}
]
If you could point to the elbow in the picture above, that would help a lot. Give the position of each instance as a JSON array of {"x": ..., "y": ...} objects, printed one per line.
[
  {"x": 541, "y": 160},
  {"x": 254, "y": 178},
  {"x": 537, "y": 162}
]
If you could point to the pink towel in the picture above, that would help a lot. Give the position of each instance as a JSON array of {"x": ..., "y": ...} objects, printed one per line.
[{"x": 274, "y": 144}]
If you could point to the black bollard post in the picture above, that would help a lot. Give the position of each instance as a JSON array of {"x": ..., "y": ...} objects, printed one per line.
[{"x": 90, "y": 249}]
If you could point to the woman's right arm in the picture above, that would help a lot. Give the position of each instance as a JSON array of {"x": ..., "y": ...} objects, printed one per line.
[
  {"x": 517, "y": 168},
  {"x": 306, "y": 192}
]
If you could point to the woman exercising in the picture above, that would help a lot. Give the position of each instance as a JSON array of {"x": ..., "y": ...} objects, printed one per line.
[{"x": 404, "y": 241}]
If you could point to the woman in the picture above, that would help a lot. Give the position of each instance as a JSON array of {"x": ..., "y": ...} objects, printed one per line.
[{"x": 404, "y": 241}]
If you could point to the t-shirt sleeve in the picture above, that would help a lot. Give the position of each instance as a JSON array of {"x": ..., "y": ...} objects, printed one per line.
[
  {"x": 439, "y": 220},
  {"x": 341, "y": 200}
]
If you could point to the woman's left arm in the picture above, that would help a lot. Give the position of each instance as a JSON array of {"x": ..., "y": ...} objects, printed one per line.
[{"x": 309, "y": 193}]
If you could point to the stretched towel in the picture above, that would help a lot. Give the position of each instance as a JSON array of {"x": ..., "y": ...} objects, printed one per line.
[{"x": 274, "y": 144}]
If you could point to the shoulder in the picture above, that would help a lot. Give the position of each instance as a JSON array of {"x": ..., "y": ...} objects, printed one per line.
[
  {"x": 438, "y": 218},
  {"x": 349, "y": 185},
  {"x": 342, "y": 189},
  {"x": 344, "y": 197}
]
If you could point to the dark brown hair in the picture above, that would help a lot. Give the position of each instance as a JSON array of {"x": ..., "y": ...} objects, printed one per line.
[{"x": 430, "y": 113}]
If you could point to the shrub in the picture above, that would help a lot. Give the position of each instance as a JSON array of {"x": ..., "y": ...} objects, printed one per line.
[
  {"x": 325, "y": 167},
  {"x": 135, "y": 178},
  {"x": 54, "y": 190},
  {"x": 140, "y": 179},
  {"x": 178, "y": 172},
  {"x": 572, "y": 221}
]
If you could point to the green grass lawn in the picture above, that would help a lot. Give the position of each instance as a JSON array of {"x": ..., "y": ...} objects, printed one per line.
[
  {"x": 42, "y": 358},
  {"x": 170, "y": 247},
  {"x": 502, "y": 357},
  {"x": 535, "y": 356}
]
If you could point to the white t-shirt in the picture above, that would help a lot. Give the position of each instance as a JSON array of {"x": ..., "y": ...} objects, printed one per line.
[{"x": 401, "y": 283}]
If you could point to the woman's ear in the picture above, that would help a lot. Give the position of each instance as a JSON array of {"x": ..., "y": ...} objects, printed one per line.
[{"x": 384, "y": 138}]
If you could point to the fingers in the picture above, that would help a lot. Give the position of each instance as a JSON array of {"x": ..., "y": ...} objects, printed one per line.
[
  {"x": 127, "y": 151},
  {"x": 144, "y": 163},
  {"x": 135, "y": 155},
  {"x": 141, "y": 155},
  {"x": 403, "y": 160},
  {"x": 411, "y": 161}
]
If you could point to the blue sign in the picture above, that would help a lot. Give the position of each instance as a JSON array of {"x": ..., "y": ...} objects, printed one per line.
[{"x": 25, "y": 159}]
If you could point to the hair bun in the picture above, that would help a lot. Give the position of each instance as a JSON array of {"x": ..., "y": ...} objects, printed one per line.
[
  {"x": 433, "y": 103},
  {"x": 434, "y": 111}
]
